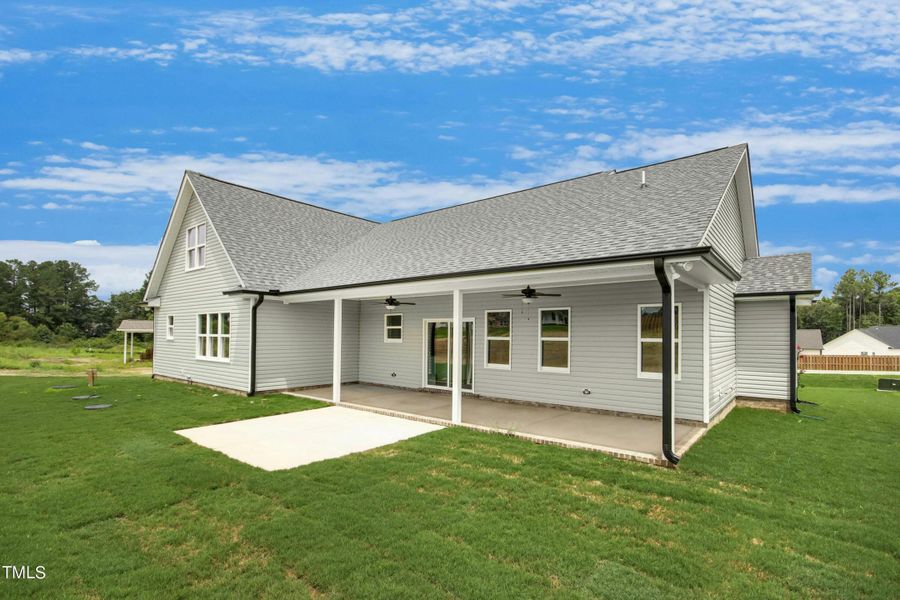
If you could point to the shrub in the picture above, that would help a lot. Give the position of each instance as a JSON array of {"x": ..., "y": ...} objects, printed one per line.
[
  {"x": 67, "y": 332},
  {"x": 42, "y": 333},
  {"x": 35, "y": 364}
]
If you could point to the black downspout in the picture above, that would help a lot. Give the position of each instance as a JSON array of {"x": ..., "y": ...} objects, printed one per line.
[
  {"x": 668, "y": 402},
  {"x": 793, "y": 350},
  {"x": 256, "y": 303}
]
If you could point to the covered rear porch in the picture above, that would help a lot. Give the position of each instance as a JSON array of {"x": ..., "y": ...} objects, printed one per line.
[{"x": 622, "y": 436}]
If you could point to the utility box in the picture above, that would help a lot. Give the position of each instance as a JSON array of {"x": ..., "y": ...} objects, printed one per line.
[{"x": 888, "y": 385}]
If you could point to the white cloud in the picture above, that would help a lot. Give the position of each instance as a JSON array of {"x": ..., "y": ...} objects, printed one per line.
[
  {"x": 362, "y": 187},
  {"x": 824, "y": 278},
  {"x": 767, "y": 248},
  {"x": 114, "y": 268},
  {"x": 93, "y": 146},
  {"x": 810, "y": 194},
  {"x": 194, "y": 129},
  {"x": 522, "y": 153},
  {"x": 86, "y": 243},
  {"x": 56, "y": 206},
  {"x": 10, "y": 56}
]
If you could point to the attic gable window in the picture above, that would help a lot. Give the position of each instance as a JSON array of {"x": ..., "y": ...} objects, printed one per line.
[{"x": 196, "y": 247}]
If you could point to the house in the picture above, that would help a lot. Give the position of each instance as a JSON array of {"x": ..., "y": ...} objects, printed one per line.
[
  {"x": 809, "y": 341},
  {"x": 871, "y": 341},
  {"x": 637, "y": 292}
]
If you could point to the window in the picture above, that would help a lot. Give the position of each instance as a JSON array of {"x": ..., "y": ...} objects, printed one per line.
[
  {"x": 214, "y": 336},
  {"x": 170, "y": 327},
  {"x": 393, "y": 328},
  {"x": 554, "y": 342},
  {"x": 650, "y": 328},
  {"x": 497, "y": 338},
  {"x": 196, "y": 247}
]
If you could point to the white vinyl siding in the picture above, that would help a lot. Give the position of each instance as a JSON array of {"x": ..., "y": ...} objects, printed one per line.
[
  {"x": 184, "y": 295},
  {"x": 294, "y": 344},
  {"x": 602, "y": 359},
  {"x": 722, "y": 353},
  {"x": 725, "y": 233},
  {"x": 763, "y": 349}
]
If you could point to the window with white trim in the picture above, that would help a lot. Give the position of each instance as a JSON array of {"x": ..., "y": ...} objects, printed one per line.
[
  {"x": 650, "y": 341},
  {"x": 170, "y": 327},
  {"x": 497, "y": 339},
  {"x": 393, "y": 328},
  {"x": 214, "y": 336},
  {"x": 195, "y": 257},
  {"x": 554, "y": 335}
]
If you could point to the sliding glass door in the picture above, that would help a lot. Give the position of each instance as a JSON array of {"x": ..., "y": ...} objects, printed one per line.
[{"x": 438, "y": 348}]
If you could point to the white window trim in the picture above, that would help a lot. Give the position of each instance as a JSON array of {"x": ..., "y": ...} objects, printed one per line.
[
  {"x": 487, "y": 338},
  {"x": 641, "y": 374},
  {"x": 386, "y": 327},
  {"x": 210, "y": 337},
  {"x": 170, "y": 327},
  {"x": 568, "y": 339},
  {"x": 195, "y": 248}
]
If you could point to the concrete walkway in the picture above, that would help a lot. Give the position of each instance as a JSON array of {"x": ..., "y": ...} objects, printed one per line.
[
  {"x": 299, "y": 438},
  {"x": 624, "y": 436}
]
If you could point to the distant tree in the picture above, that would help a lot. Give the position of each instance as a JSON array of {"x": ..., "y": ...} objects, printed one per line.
[
  {"x": 12, "y": 288},
  {"x": 42, "y": 333},
  {"x": 826, "y": 315},
  {"x": 882, "y": 285}
]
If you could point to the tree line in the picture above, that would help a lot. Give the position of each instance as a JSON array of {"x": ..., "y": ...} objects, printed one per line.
[
  {"x": 860, "y": 299},
  {"x": 56, "y": 301}
]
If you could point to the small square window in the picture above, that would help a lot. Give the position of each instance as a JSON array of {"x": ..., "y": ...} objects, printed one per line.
[{"x": 393, "y": 328}]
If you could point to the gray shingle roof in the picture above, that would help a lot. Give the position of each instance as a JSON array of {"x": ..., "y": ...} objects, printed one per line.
[
  {"x": 269, "y": 238},
  {"x": 776, "y": 274},
  {"x": 136, "y": 326},
  {"x": 598, "y": 216},
  {"x": 809, "y": 339},
  {"x": 888, "y": 334}
]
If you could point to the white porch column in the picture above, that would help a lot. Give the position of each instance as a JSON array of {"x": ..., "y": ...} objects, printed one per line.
[
  {"x": 336, "y": 362},
  {"x": 456, "y": 358},
  {"x": 125, "y": 348},
  {"x": 132, "y": 346}
]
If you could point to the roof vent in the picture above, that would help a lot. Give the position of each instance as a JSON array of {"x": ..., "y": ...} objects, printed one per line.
[{"x": 643, "y": 179}]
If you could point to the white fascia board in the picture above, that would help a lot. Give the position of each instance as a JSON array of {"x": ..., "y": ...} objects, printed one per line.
[
  {"x": 168, "y": 241},
  {"x": 747, "y": 205},
  {"x": 639, "y": 270}
]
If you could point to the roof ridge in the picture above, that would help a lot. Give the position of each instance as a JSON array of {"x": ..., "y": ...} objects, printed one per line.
[
  {"x": 779, "y": 255},
  {"x": 568, "y": 179},
  {"x": 694, "y": 155},
  {"x": 252, "y": 189}
]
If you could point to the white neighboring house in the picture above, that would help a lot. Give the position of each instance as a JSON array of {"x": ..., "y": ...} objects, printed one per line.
[
  {"x": 883, "y": 340},
  {"x": 660, "y": 303}
]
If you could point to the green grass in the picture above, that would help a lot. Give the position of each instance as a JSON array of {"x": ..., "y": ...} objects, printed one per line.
[
  {"x": 53, "y": 360},
  {"x": 767, "y": 505}
]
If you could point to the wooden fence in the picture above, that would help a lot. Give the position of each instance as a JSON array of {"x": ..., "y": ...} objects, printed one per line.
[{"x": 849, "y": 363}]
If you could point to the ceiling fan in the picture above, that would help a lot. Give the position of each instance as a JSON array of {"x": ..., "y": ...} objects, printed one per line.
[
  {"x": 528, "y": 295},
  {"x": 390, "y": 303}
]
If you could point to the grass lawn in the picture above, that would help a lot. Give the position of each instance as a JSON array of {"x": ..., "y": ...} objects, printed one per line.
[
  {"x": 113, "y": 504},
  {"x": 44, "y": 359}
]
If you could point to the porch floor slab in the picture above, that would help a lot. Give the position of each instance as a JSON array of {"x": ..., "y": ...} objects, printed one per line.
[
  {"x": 637, "y": 437},
  {"x": 294, "y": 439}
]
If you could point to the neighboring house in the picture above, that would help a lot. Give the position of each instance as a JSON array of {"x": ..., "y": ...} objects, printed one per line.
[
  {"x": 871, "y": 341},
  {"x": 664, "y": 306},
  {"x": 809, "y": 341}
]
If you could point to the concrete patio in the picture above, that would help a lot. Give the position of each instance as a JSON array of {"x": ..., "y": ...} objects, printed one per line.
[{"x": 622, "y": 436}]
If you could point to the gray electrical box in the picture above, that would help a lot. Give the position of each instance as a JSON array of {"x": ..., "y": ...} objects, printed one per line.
[{"x": 888, "y": 385}]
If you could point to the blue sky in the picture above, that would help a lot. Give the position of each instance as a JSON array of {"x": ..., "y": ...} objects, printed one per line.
[{"x": 384, "y": 110}]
